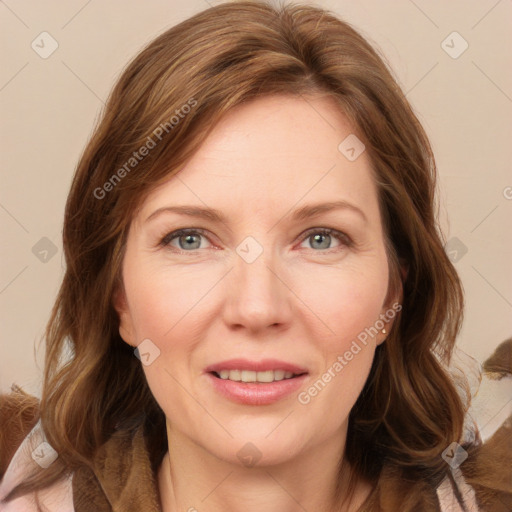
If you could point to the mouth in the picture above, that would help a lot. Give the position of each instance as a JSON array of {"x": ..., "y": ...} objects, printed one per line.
[{"x": 256, "y": 382}]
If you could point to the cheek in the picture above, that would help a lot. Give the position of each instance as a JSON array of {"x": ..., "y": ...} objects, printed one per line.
[
  {"x": 163, "y": 303},
  {"x": 347, "y": 299},
  {"x": 162, "y": 298},
  {"x": 332, "y": 394}
]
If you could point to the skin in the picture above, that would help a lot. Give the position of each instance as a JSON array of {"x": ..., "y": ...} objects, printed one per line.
[{"x": 303, "y": 300}]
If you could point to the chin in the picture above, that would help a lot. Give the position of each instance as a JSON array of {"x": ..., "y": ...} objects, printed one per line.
[{"x": 257, "y": 446}]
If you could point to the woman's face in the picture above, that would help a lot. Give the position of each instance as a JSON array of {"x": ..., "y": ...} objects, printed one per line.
[{"x": 257, "y": 287}]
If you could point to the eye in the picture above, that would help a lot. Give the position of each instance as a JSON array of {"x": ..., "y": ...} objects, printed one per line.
[
  {"x": 186, "y": 239},
  {"x": 191, "y": 239},
  {"x": 321, "y": 238}
]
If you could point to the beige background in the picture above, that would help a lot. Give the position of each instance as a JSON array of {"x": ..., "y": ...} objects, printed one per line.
[{"x": 49, "y": 107}]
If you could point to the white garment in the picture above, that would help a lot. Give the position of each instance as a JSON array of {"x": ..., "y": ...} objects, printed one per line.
[
  {"x": 447, "y": 500},
  {"x": 57, "y": 498}
]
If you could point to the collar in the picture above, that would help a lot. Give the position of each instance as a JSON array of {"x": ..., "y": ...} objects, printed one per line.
[{"x": 122, "y": 479}]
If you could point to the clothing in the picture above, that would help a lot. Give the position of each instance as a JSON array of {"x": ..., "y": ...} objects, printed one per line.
[
  {"x": 122, "y": 479},
  {"x": 126, "y": 482}
]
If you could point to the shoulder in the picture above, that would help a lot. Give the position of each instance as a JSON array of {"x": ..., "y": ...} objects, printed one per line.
[
  {"x": 19, "y": 413},
  {"x": 481, "y": 483},
  {"x": 479, "y": 472},
  {"x": 123, "y": 458},
  {"x": 487, "y": 468},
  {"x": 22, "y": 447},
  {"x": 478, "y": 477}
]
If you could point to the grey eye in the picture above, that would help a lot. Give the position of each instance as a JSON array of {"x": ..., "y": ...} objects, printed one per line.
[
  {"x": 189, "y": 241},
  {"x": 320, "y": 241},
  {"x": 323, "y": 238}
]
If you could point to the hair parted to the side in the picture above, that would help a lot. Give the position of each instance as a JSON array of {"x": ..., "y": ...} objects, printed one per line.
[{"x": 409, "y": 410}]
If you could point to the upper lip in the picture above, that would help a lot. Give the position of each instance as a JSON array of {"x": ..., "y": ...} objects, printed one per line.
[{"x": 257, "y": 366}]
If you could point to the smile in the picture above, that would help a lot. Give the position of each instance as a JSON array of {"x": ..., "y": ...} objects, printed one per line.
[{"x": 256, "y": 382}]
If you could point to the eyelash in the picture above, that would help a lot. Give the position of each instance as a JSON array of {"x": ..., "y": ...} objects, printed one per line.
[{"x": 340, "y": 236}]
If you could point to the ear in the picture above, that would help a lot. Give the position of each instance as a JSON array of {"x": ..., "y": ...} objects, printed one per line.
[
  {"x": 126, "y": 330},
  {"x": 388, "y": 317},
  {"x": 393, "y": 304}
]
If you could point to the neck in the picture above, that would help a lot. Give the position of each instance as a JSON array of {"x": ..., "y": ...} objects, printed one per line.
[{"x": 192, "y": 479}]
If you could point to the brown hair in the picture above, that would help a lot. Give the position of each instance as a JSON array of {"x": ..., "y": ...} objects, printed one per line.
[{"x": 409, "y": 410}]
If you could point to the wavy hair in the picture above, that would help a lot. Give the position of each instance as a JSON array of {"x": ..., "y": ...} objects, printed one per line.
[{"x": 409, "y": 410}]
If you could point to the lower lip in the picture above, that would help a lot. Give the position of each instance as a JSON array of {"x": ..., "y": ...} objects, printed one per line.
[{"x": 256, "y": 393}]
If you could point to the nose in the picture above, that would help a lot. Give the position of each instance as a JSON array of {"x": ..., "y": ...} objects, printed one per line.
[{"x": 257, "y": 295}]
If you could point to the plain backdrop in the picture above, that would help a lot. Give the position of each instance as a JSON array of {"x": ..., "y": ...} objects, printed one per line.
[{"x": 463, "y": 97}]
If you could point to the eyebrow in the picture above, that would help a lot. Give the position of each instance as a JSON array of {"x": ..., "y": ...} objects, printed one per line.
[
  {"x": 312, "y": 210},
  {"x": 303, "y": 213}
]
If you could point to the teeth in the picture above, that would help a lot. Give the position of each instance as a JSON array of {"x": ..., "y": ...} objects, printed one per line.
[
  {"x": 247, "y": 376},
  {"x": 281, "y": 374},
  {"x": 252, "y": 376}
]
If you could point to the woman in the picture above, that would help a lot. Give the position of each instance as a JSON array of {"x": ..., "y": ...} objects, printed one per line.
[{"x": 257, "y": 309}]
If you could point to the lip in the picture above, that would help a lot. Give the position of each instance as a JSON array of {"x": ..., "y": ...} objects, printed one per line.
[{"x": 256, "y": 393}]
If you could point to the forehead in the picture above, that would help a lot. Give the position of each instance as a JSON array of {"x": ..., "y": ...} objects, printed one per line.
[{"x": 271, "y": 154}]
